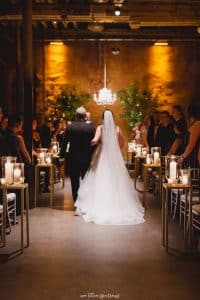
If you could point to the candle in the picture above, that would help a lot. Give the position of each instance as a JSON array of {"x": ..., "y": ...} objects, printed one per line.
[
  {"x": 17, "y": 175},
  {"x": 148, "y": 160},
  {"x": 48, "y": 160},
  {"x": 21, "y": 179},
  {"x": 185, "y": 179},
  {"x": 156, "y": 157},
  {"x": 9, "y": 172},
  {"x": 3, "y": 181},
  {"x": 144, "y": 152},
  {"x": 172, "y": 170},
  {"x": 54, "y": 149},
  {"x": 41, "y": 156}
]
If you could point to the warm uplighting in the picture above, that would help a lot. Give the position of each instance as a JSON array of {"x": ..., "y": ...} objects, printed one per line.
[
  {"x": 161, "y": 43},
  {"x": 57, "y": 43},
  {"x": 105, "y": 95}
]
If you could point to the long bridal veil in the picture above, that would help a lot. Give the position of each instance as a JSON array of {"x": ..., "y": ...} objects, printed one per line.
[{"x": 106, "y": 195}]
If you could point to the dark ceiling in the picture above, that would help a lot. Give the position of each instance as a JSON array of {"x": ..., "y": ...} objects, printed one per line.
[{"x": 95, "y": 19}]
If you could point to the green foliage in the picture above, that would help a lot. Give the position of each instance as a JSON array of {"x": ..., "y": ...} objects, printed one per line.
[
  {"x": 137, "y": 103},
  {"x": 65, "y": 104}
]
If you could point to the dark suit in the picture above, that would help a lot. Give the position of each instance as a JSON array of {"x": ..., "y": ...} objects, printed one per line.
[
  {"x": 165, "y": 138},
  {"x": 12, "y": 145},
  {"x": 79, "y": 134}
]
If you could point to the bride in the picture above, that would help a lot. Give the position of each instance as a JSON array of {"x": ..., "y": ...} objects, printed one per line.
[{"x": 106, "y": 195}]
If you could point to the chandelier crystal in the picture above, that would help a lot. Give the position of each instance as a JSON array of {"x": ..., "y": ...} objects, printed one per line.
[{"x": 105, "y": 95}]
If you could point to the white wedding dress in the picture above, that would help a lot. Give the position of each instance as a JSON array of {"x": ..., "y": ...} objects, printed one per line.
[{"x": 106, "y": 195}]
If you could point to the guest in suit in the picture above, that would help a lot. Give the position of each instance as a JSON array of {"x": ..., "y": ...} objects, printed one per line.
[
  {"x": 153, "y": 129},
  {"x": 79, "y": 135},
  {"x": 165, "y": 134},
  {"x": 45, "y": 134},
  {"x": 11, "y": 138}
]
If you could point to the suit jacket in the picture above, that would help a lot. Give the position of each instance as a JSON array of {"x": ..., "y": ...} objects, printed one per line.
[
  {"x": 165, "y": 138},
  {"x": 79, "y": 134},
  {"x": 12, "y": 145}
]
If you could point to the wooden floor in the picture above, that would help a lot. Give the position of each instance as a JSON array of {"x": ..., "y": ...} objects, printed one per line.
[{"x": 70, "y": 259}]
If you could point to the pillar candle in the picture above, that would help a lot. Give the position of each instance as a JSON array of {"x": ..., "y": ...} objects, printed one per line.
[
  {"x": 172, "y": 170},
  {"x": 185, "y": 179},
  {"x": 54, "y": 149},
  {"x": 41, "y": 156},
  {"x": 17, "y": 175},
  {"x": 156, "y": 157},
  {"x": 9, "y": 172}
]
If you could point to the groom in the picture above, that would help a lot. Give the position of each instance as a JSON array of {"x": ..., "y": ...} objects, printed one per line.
[{"x": 79, "y": 135}]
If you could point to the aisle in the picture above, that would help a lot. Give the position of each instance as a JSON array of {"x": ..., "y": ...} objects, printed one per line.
[{"x": 70, "y": 259}]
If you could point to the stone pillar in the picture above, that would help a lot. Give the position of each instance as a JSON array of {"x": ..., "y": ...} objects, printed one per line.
[
  {"x": 28, "y": 72},
  {"x": 28, "y": 89}
]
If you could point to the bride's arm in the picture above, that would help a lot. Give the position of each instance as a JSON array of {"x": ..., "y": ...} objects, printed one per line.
[
  {"x": 97, "y": 136},
  {"x": 120, "y": 138}
]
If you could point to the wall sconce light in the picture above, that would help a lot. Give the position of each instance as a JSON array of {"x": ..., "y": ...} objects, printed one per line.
[
  {"x": 161, "y": 43},
  {"x": 115, "y": 51},
  {"x": 134, "y": 25},
  {"x": 57, "y": 43},
  {"x": 117, "y": 11},
  {"x": 198, "y": 29}
]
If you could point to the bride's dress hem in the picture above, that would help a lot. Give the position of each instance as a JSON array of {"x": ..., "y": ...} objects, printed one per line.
[{"x": 109, "y": 221}]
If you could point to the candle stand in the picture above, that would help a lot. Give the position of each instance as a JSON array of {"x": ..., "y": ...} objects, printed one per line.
[{"x": 24, "y": 191}]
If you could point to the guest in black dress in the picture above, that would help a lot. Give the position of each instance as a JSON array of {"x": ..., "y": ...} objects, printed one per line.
[
  {"x": 180, "y": 129},
  {"x": 11, "y": 138},
  {"x": 191, "y": 155}
]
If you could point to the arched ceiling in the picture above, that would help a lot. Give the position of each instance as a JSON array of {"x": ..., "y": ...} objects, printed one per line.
[{"x": 95, "y": 19}]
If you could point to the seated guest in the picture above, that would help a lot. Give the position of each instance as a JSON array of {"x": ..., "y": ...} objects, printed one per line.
[
  {"x": 165, "y": 134},
  {"x": 11, "y": 138},
  {"x": 191, "y": 155}
]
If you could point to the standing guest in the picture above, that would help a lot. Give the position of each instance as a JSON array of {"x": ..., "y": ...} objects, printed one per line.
[
  {"x": 79, "y": 134},
  {"x": 36, "y": 136},
  {"x": 45, "y": 134},
  {"x": 4, "y": 123},
  {"x": 144, "y": 130},
  {"x": 180, "y": 129},
  {"x": 11, "y": 137},
  {"x": 136, "y": 133},
  {"x": 25, "y": 154},
  {"x": 88, "y": 117},
  {"x": 58, "y": 133},
  {"x": 191, "y": 155},
  {"x": 153, "y": 129},
  {"x": 165, "y": 134},
  {"x": 2, "y": 137}
]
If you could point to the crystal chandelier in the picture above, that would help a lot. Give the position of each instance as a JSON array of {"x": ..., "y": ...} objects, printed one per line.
[{"x": 105, "y": 95}]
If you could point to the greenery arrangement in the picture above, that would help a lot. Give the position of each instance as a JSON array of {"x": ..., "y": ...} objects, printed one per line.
[
  {"x": 64, "y": 105},
  {"x": 137, "y": 103}
]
